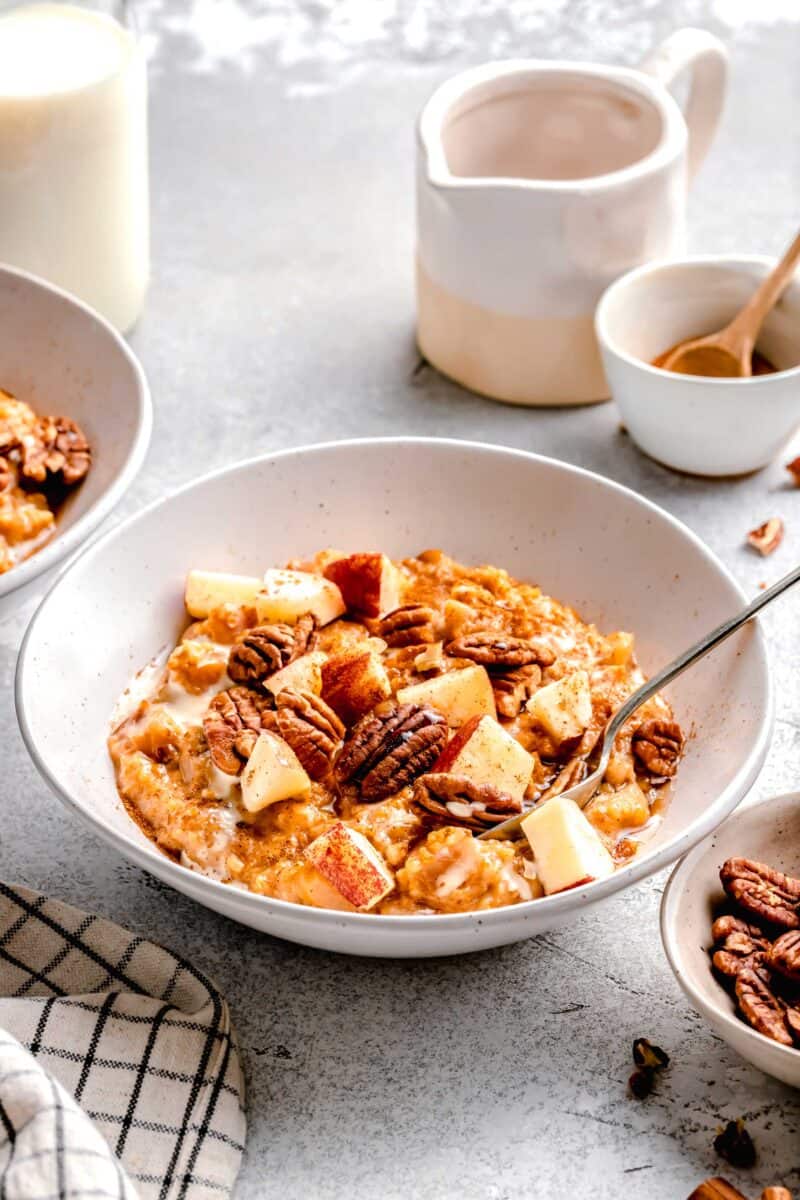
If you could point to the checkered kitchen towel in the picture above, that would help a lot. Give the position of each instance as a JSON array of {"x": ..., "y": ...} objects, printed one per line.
[{"x": 119, "y": 1074}]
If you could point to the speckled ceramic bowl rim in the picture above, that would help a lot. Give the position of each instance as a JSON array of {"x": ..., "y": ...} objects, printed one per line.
[
  {"x": 64, "y": 543},
  {"x": 762, "y": 382},
  {"x": 702, "y": 1000},
  {"x": 563, "y": 902}
]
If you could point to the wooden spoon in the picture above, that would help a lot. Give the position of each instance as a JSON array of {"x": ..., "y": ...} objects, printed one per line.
[{"x": 729, "y": 352}]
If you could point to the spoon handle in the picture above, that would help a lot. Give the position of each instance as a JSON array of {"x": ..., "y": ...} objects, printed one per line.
[
  {"x": 698, "y": 651},
  {"x": 747, "y": 323}
]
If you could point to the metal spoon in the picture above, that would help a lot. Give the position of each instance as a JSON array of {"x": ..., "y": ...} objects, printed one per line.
[{"x": 582, "y": 792}]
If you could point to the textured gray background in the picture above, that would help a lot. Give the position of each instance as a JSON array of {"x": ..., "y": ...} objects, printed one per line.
[{"x": 281, "y": 311}]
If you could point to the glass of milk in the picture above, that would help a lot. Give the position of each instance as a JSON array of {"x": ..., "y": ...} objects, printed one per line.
[{"x": 73, "y": 151}]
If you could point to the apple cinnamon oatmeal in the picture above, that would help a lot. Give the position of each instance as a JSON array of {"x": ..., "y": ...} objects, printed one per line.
[
  {"x": 336, "y": 733},
  {"x": 41, "y": 458}
]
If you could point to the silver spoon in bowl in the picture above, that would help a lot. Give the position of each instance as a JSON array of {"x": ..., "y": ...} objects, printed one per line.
[{"x": 582, "y": 792}]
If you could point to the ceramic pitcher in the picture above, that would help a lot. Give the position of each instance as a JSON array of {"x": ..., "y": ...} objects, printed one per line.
[{"x": 538, "y": 183}]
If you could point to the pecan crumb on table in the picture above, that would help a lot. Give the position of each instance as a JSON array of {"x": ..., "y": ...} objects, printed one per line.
[{"x": 335, "y": 732}]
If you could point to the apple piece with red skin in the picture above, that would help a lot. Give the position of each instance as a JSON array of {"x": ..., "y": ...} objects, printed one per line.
[
  {"x": 354, "y": 683},
  {"x": 352, "y": 865},
  {"x": 483, "y": 752},
  {"x": 369, "y": 583}
]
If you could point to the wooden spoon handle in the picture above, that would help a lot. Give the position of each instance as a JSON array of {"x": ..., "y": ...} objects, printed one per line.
[{"x": 746, "y": 324}]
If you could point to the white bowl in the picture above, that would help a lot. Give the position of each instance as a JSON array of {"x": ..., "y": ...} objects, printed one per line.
[
  {"x": 620, "y": 560},
  {"x": 703, "y": 426},
  {"x": 62, "y": 358},
  {"x": 767, "y": 832}
]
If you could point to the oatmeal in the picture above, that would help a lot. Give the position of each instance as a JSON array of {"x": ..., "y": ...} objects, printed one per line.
[
  {"x": 336, "y": 733},
  {"x": 41, "y": 458}
]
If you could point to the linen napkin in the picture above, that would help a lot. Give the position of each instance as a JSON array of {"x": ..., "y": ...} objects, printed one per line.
[{"x": 119, "y": 1071}]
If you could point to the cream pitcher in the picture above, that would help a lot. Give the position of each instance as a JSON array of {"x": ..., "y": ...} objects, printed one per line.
[{"x": 538, "y": 183}]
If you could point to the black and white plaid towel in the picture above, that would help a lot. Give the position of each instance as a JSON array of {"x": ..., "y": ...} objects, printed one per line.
[{"x": 119, "y": 1073}]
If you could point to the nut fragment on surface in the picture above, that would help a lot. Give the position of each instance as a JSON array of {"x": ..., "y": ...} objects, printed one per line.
[
  {"x": 409, "y": 625},
  {"x": 262, "y": 651},
  {"x": 232, "y": 724},
  {"x": 387, "y": 749},
  {"x": 793, "y": 468},
  {"x": 499, "y": 650},
  {"x": 311, "y": 728},
  {"x": 720, "y": 1189},
  {"x": 57, "y": 447},
  {"x": 734, "y": 1144},
  {"x": 456, "y": 800},
  {"x": 766, "y": 893},
  {"x": 658, "y": 745},
  {"x": 767, "y": 537}
]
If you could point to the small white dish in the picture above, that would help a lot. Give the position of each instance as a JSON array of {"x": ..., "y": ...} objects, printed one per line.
[
  {"x": 63, "y": 358},
  {"x": 618, "y": 559},
  {"x": 767, "y": 832},
  {"x": 688, "y": 422}
]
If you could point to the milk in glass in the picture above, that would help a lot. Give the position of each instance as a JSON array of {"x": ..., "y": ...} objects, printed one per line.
[{"x": 73, "y": 154}]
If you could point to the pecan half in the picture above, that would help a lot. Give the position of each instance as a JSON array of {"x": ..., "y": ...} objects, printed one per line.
[
  {"x": 500, "y": 650},
  {"x": 311, "y": 728},
  {"x": 574, "y": 772},
  {"x": 766, "y": 537},
  {"x": 232, "y": 724},
  {"x": 784, "y": 955},
  {"x": 455, "y": 800},
  {"x": 658, "y": 745},
  {"x": 57, "y": 447},
  {"x": 513, "y": 687},
  {"x": 410, "y": 625},
  {"x": 262, "y": 651},
  {"x": 389, "y": 747},
  {"x": 760, "y": 1007},
  {"x": 767, "y": 894}
]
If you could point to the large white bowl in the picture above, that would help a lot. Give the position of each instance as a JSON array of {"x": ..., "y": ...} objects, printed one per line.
[
  {"x": 768, "y": 832},
  {"x": 623, "y": 562},
  {"x": 61, "y": 357}
]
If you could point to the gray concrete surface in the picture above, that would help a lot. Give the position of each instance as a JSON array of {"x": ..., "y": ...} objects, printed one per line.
[{"x": 281, "y": 311}]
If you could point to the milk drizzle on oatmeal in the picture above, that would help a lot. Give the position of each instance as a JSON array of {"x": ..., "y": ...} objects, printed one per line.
[{"x": 194, "y": 810}]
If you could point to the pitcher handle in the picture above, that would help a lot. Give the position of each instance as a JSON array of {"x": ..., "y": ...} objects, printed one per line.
[{"x": 707, "y": 59}]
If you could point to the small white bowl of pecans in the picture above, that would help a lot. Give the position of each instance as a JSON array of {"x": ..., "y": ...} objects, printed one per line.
[
  {"x": 75, "y": 421},
  {"x": 730, "y": 924}
]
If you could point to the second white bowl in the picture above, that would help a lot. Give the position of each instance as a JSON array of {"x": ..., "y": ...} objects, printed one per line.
[{"x": 703, "y": 426}]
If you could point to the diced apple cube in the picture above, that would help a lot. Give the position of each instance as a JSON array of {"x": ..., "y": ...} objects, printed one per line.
[
  {"x": 458, "y": 694},
  {"x": 567, "y": 849},
  {"x": 620, "y": 648},
  {"x": 302, "y": 675},
  {"x": 369, "y": 583},
  {"x": 485, "y": 753},
  {"x": 563, "y": 708},
  {"x": 353, "y": 683},
  {"x": 207, "y": 590},
  {"x": 288, "y": 595},
  {"x": 352, "y": 865},
  {"x": 272, "y": 773}
]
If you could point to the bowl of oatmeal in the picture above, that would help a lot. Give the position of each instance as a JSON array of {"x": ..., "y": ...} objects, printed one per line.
[
  {"x": 306, "y": 722},
  {"x": 75, "y": 420}
]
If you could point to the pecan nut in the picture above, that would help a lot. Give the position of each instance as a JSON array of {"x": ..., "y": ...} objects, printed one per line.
[
  {"x": 513, "y": 687},
  {"x": 783, "y": 955},
  {"x": 389, "y": 747},
  {"x": 767, "y": 537},
  {"x": 737, "y": 944},
  {"x": 232, "y": 724},
  {"x": 311, "y": 728},
  {"x": 768, "y": 894},
  {"x": 262, "y": 651},
  {"x": 455, "y": 800},
  {"x": 410, "y": 625},
  {"x": 56, "y": 447},
  {"x": 500, "y": 650},
  {"x": 760, "y": 1007},
  {"x": 658, "y": 745}
]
